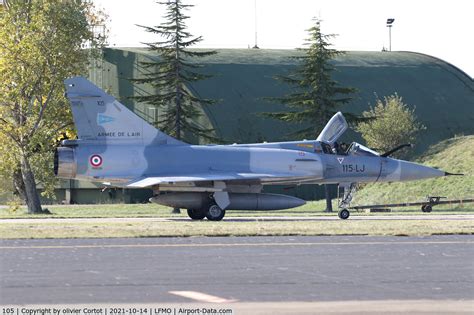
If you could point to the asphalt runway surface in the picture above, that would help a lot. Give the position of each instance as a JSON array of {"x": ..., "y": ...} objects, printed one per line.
[{"x": 289, "y": 270}]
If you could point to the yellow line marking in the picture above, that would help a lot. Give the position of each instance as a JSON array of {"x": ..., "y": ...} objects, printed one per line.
[
  {"x": 201, "y": 297},
  {"x": 233, "y": 244}
]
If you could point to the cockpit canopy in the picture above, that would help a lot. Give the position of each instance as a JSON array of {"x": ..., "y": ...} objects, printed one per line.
[
  {"x": 333, "y": 130},
  {"x": 355, "y": 149},
  {"x": 358, "y": 149},
  {"x": 327, "y": 139}
]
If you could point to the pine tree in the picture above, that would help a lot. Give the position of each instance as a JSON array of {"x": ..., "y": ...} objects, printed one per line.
[
  {"x": 172, "y": 74},
  {"x": 316, "y": 96}
]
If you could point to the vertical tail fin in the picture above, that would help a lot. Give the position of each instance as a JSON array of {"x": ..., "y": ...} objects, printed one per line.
[{"x": 99, "y": 116}]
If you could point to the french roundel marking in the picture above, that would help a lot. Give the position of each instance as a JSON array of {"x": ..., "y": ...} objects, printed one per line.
[{"x": 95, "y": 160}]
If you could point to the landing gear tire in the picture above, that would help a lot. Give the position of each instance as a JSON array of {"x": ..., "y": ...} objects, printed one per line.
[
  {"x": 426, "y": 208},
  {"x": 343, "y": 214},
  {"x": 196, "y": 214},
  {"x": 215, "y": 213}
]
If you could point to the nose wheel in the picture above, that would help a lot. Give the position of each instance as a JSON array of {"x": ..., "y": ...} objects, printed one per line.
[{"x": 343, "y": 214}]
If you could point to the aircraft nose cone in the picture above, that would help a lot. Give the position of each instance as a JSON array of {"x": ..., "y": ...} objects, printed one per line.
[{"x": 413, "y": 171}]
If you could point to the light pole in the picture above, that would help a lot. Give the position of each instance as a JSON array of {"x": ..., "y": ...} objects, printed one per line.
[
  {"x": 255, "y": 12},
  {"x": 389, "y": 25}
]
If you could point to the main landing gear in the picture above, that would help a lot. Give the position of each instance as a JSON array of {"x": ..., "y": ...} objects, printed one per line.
[
  {"x": 212, "y": 213},
  {"x": 215, "y": 213},
  {"x": 196, "y": 214}
]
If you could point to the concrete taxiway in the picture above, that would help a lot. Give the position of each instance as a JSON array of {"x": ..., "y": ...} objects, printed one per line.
[{"x": 269, "y": 271}]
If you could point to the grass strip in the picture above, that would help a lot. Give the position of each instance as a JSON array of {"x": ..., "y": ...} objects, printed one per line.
[
  {"x": 259, "y": 228},
  {"x": 152, "y": 210}
]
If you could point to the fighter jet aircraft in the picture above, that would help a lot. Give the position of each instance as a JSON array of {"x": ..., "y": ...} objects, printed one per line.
[{"x": 118, "y": 148}]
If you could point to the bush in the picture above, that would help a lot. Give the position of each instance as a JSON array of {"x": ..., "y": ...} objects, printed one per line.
[{"x": 393, "y": 123}]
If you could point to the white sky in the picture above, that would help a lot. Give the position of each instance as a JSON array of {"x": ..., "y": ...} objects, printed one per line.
[{"x": 441, "y": 28}]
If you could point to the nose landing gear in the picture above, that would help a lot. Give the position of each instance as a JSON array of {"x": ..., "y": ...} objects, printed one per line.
[
  {"x": 343, "y": 214},
  {"x": 345, "y": 196}
]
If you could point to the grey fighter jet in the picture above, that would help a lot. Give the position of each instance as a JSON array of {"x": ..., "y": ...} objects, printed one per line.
[{"x": 118, "y": 148}]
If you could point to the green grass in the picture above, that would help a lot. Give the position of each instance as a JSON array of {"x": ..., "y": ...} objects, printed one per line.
[
  {"x": 150, "y": 228},
  {"x": 454, "y": 155},
  {"x": 206, "y": 228},
  {"x": 152, "y": 210}
]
